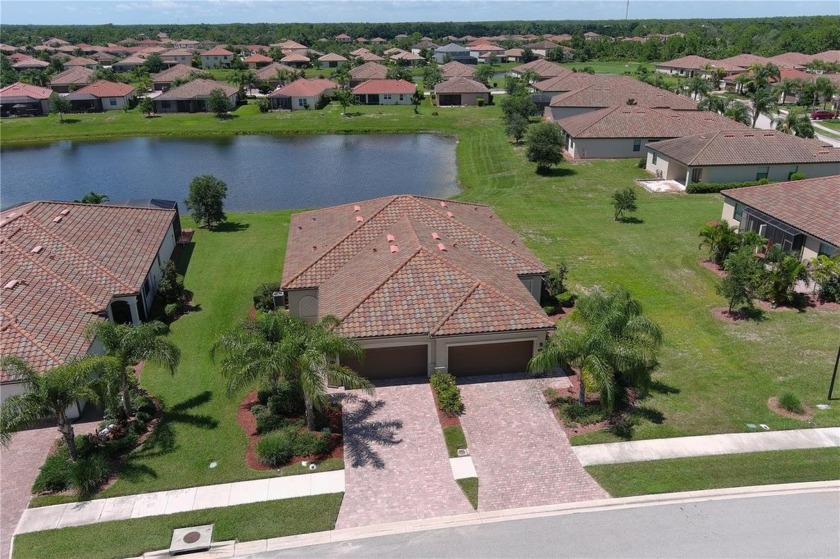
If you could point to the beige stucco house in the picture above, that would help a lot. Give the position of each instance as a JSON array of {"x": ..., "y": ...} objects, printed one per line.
[
  {"x": 301, "y": 94},
  {"x": 102, "y": 95},
  {"x": 421, "y": 283},
  {"x": 460, "y": 92},
  {"x": 217, "y": 57}
]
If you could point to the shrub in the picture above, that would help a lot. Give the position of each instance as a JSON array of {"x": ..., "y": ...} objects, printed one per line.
[
  {"x": 170, "y": 311},
  {"x": 54, "y": 474},
  {"x": 262, "y": 396},
  {"x": 791, "y": 403},
  {"x": 262, "y": 104},
  {"x": 171, "y": 285},
  {"x": 278, "y": 447},
  {"x": 622, "y": 427},
  {"x": 286, "y": 402},
  {"x": 571, "y": 412},
  {"x": 798, "y": 176},
  {"x": 144, "y": 404},
  {"x": 710, "y": 188},
  {"x": 263, "y": 296},
  {"x": 87, "y": 474},
  {"x": 479, "y": 102},
  {"x": 267, "y": 421},
  {"x": 642, "y": 163},
  {"x": 448, "y": 394}
]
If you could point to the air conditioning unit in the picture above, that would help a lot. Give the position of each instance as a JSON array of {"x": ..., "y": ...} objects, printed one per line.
[{"x": 279, "y": 299}]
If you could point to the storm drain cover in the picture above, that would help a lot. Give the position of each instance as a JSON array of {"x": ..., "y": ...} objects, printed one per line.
[{"x": 190, "y": 540}]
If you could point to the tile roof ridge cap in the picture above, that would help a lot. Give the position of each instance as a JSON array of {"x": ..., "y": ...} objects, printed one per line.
[
  {"x": 507, "y": 297},
  {"x": 383, "y": 282},
  {"x": 712, "y": 138},
  {"x": 342, "y": 239},
  {"x": 78, "y": 251},
  {"x": 49, "y": 272},
  {"x": 12, "y": 322},
  {"x": 455, "y": 307}
]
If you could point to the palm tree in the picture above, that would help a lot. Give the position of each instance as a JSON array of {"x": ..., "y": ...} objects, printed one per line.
[
  {"x": 825, "y": 89},
  {"x": 762, "y": 74},
  {"x": 243, "y": 78},
  {"x": 278, "y": 346},
  {"x": 484, "y": 73},
  {"x": 787, "y": 87},
  {"x": 795, "y": 122},
  {"x": 738, "y": 112},
  {"x": 130, "y": 345},
  {"x": 611, "y": 343},
  {"x": 763, "y": 101},
  {"x": 50, "y": 393},
  {"x": 720, "y": 239},
  {"x": 697, "y": 87},
  {"x": 713, "y": 103},
  {"x": 785, "y": 269}
]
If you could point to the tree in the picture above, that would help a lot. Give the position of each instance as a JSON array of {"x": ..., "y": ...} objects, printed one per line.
[
  {"x": 624, "y": 200},
  {"x": 610, "y": 341},
  {"x": 784, "y": 270},
  {"x": 697, "y": 87},
  {"x": 795, "y": 122},
  {"x": 244, "y": 79},
  {"x": 59, "y": 105},
  {"x": 787, "y": 87},
  {"x": 543, "y": 143},
  {"x": 738, "y": 112},
  {"x": 825, "y": 89},
  {"x": 277, "y": 346},
  {"x": 171, "y": 285},
  {"x": 516, "y": 127},
  {"x": 206, "y": 200},
  {"x": 131, "y": 344},
  {"x": 432, "y": 76},
  {"x": 517, "y": 105},
  {"x": 147, "y": 106},
  {"x": 743, "y": 275},
  {"x": 93, "y": 198},
  {"x": 826, "y": 273},
  {"x": 720, "y": 239},
  {"x": 713, "y": 103},
  {"x": 345, "y": 98},
  {"x": 484, "y": 73},
  {"x": 218, "y": 103},
  {"x": 154, "y": 63},
  {"x": 763, "y": 101},
  {"x": 397, "y": 72},
  {"x": 417, "y": 99},
  {"x": 49, "y": 394}
]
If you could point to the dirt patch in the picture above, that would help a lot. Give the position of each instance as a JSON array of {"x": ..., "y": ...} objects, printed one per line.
[
  {"x": 773, "y": 404},
  {"x": 709, "y": 265},
  {"x": 734, "y": 317}
]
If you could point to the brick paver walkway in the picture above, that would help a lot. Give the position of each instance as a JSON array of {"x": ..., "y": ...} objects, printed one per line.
[
  {"x": 396, "y": 464},
  {"x": 521, "y": 454},
  {"x": 19, "y": 465}
]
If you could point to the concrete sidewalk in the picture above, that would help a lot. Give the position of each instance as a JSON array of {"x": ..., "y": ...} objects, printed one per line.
[
  {"x": 707, "y": 445},
  {"x": 180, "y": 500}
]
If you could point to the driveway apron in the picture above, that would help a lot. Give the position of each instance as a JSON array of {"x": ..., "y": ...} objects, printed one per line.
[
  {"x": 396, "y": 464},
  {"x": 521, "y": 454}
]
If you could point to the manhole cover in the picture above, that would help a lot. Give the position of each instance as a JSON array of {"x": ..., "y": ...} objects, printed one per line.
[{"x": 192, "y": 537}]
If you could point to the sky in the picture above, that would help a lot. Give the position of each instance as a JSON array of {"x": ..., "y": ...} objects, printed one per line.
[{"x": 122, "y": 12}]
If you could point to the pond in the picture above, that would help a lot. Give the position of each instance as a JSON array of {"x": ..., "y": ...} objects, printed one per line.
[{"x": 262, "y": 172}]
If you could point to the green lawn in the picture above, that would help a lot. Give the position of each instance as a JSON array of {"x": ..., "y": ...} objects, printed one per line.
[
  {"x": 617, "y": 67},
  {"x": 470, "y": 488},
  {"x": 710, "y": 472},
  {"x": 455, "y": 439},
  {"x": 129, "y": 538}
]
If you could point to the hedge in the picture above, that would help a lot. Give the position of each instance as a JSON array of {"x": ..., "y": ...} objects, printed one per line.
[
  {"x": 712, "y": 187},
  {"x": 448, "y": 394}
]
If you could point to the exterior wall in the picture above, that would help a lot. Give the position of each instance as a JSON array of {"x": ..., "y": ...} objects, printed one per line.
[
  {"x": 675, "y": 71},
  {"x": 811, "y": 248},
  {"x": 533, "y": 283},
  {"x": 469, "y": 99},
  {"x": 8, "y": 389},
  {"x": 396, "y": 99},
  {"x": 216, "y": 61},
  {"x": 119, "y": 102},
  {"x": 156, "y": 269},
  {"x": 671, "y": 170},
  {"x": 605, "y": 148},
  {"x": 178, "y": 59},
  {"x": 332, "y": 63},
  {"x": 728, "y": 213},
  {"x": 173, "y": 104},
  {"x": 740, "y": 173},
  {"x": 463, "y": 57},
  {"x": 301, "y": 304}
]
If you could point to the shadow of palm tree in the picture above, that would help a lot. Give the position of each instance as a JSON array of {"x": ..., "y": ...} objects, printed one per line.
[
  {"x": 361, "y": 435},
  {"x": 162, "y": 440}
]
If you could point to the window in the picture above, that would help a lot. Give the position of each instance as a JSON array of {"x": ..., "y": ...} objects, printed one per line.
[
  {"x": 653, "y": 158},
  {"x": 827, "y": 249},
  {"x": 387, "y": 96},
  {"x": 793, "y": 169},
  {"x": 739, "y": 211},
  {"x": 146, "y": 287},
  {"x": 637, "y": 145},
  {"x": 112, "y": 101},
  {"x": 762, "y": 173},
  {"x": 301, "y": 102},
  {"x": 695, "y": 174}
]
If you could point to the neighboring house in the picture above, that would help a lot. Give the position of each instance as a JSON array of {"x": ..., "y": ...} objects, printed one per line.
[
  {"x": 256, "y": 61},
  {"x": 192, "y": 96},
  {"x": 24, "y": 99},
  {"x": 543, "y": 48},
  {"x": 424, "y": 43},
  {"x": 548, "y": 89},
  {"x": 828, "y": 56},
  {"x": 268, "y": 75},
  {"x": 368, "y": 56},
  {"x": 624, "y": 131},
  {"x": 295, "y": 60},
  {"x": 68, "y": 265},
  {"x": 378, "y": 41},
  {"x": 407, "y": 58},
  {"x": 343, "y": 38},
  {"x": 367, "y": 71},
  {"x": 101, "y": 96},
  {"x": 162, "y": 81},
  {"x": 791, "y": 60},
  {"x": 685, "y": 66},
  {"x": 461, "y": 92},
  {"x": 456, "y": 69},
  {"x": 486, "y": 52},
  {"x": 29, "y": 63},
  {"x": 384, "y": 92},
  {"x": 332, "y": 60},
  {"x": 421, "y": 283},
  {"x": 128, "y": 64},
  {"x": 513, "y": 55},
  {"x": 543, "y": 68},
  {"x": 800, "y": 216},
  {"x": 454, "y": 53},
  {"x": 178, "y": 56},
  {"x": 301, "y": 94},
  {"x": 81, "y": 62},
  {"x": 741, "y": 60},
  {"x": 741, "y": 154},
  {"x": 614, "y": 91},
  {"x": 216, "y": 57},
  {"x": 291, "y": 47},
  {"x": 75, "y": 78}
]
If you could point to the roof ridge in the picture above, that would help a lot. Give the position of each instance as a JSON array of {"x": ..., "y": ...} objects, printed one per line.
[
  {"x": 341, "y": 240},
  {"x": 707, "y": 144},
  {"x": 49, "y": 272},
  {"x": 383, "y": 282},
  {"x": 29, "y": 336},
  {"x": 75, "y": 249},
  {"x": 455, "y": 308}
]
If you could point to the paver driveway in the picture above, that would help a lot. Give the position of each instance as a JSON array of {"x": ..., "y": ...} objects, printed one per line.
[
  {"x": 397, "y": 467},
  {"x": 521, "y": 454}
]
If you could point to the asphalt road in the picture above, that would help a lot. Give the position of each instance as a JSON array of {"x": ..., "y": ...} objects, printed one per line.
[{"x": 787, "y": 525}]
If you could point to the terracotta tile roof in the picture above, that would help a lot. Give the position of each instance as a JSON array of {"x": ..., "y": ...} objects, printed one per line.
[
  {"x": 460, "y": 85},
  {"x": 457, "y": 69},
  {"x": 19, "y": 89},
  {"x": 618, "y": 90},
  {"x": 359, "y": 51},
  {"x": 543, "y": 45},
  {"x": 104, "y": 88},
  {"x": 746, "y": 146},
  {"x": 828, "y": 56},
  {"x": 29, "y": 62},
  {"x": 544, "y": 68},
  {"x": 256, "y": 58},
  {"x": 270, "y": 72},
  {"x": 177, "y": 52},
  {"x": 407, "y": 56},
  {"x": 289, "y": 45},
  {"x": 691, "y": 62},
  {"x": 514, "y": 52},
  {"x": 742, "y": 60},
  {"x": 81, "y": 61},
  {"x": 642, "y": 122},
  {"x": 455, "y": 270},
  {"x": 197, "y": 89},
  {"x": 791, "y": 59},
  {"x": 177, "y": 72},
  {"x": 217, "y": 51},
  {"x": 74, "y": 76},
  {"x": 368, "y": 71},
  {"x": 571, "y": 81},
  {"x": 332, "y": 57},
  {"x": 294, "y": 58},
  {"x": 370, "y": 57},
  {"x": 92, "y": 254},
  {"x": 304, "y": 88},
  {"x": 810, "y": 205},
  {"x": 375, "y": 87}
]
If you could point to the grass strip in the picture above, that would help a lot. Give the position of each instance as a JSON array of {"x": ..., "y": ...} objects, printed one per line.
[
  {"x": 455, "y": 439},
  {"x": 328, "y": 465},
  {"x": 470, "y": 488}
]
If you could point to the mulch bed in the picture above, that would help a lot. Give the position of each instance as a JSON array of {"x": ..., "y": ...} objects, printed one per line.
[
  {"x": 248, "y": 423},
  {"x": 722, "y": 313},
  {"x": 572, "y": 392},
  {"x": 709, "y": 265},
  {"x": 773, "y": 404},
  {"x": 445, "y": 420}
]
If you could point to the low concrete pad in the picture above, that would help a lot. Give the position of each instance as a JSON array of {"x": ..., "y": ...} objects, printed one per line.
[
  {"x": 149, "y": 504},
  {"x": 289, "y": 487},
  {"x": 180, "y": 500},
  {"x": 462, "y": 468},
  {"x": 117, "y": 508},
  {"x": 248, "y": 492},
  {"x": 86, "y": 512},
  {"x": 212, "y": 496},
  {"x": 43, "y": 518},
  {"x": 327, "y": 482}
]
